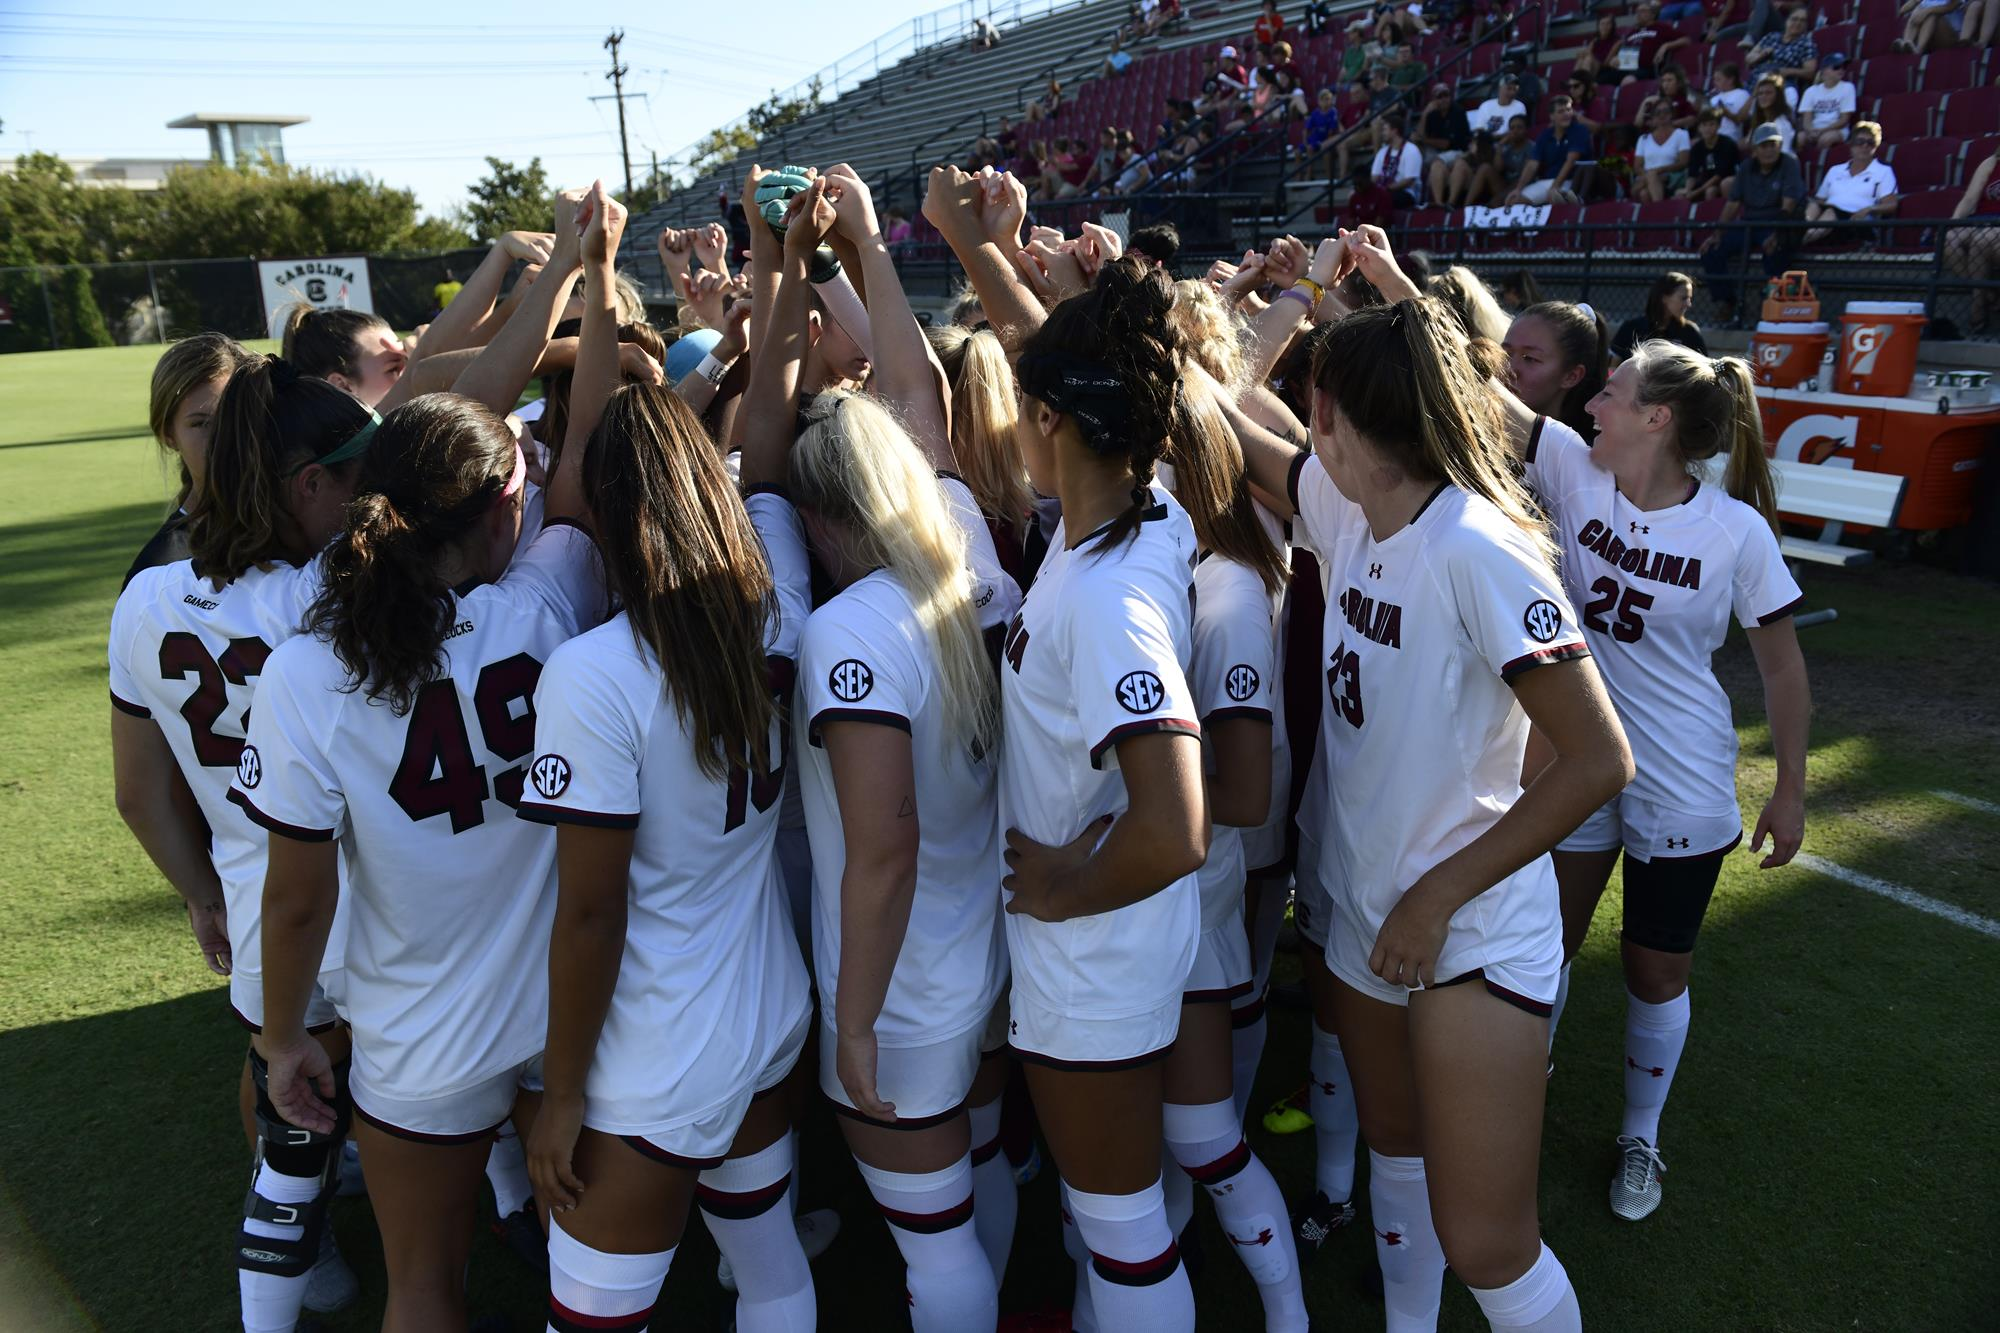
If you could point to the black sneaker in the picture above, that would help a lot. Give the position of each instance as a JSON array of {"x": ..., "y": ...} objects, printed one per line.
[
  {"x": 521, "y": 1232},
  {"x": 1316, "y": 1219}
]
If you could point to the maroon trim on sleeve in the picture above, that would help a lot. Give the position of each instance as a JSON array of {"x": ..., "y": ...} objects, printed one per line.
[
  {"x": 1238, "y": 711},
  {"x": 1292, "y": 479},
  {"x": 126, "y": 706},
  {"x": 1787, "y": 609},
  {"x": 535, "y": 812},
  {"x": 879, "y": 716},
  {"x": 279, "y": 826},
  {"x": 1562, "y": 652},
  {"x": 1131, "y": 729},
  {"x": 1534, "y": 438}
]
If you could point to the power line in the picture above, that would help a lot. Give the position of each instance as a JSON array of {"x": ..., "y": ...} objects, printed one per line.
[{"x": 617, "y": 77}]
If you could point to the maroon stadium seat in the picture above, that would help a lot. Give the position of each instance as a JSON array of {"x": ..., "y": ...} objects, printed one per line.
[
  {"x": 1925, "y": 164},
  {"x": 1844, "y": 38},
  {"x": 1971, "y": 111},
  {"x": 1906, "y": 115},
  {"x": 1950, "y": 70},
  {"x": 1882, "y": 75},
  {"x": 1929, "y": 206},
  {"x": 1599, "y": 215},
  {"x": 1661, "y": 226},
  {"x": 1630, "y": 97}
]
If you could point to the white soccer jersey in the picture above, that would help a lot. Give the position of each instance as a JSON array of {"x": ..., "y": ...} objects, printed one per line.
[
  {"x": 1099, "y": 652},
  {"x": 188, "y": 654},
  {"x": 995, "y": 595},
  {"x": 866, "y": 659},
  {"x": 1424, "y": 739},
  {"x": 1265, "y": 845},
  {"x": 448, "y": 929},
  {"x": 1655, "y": 591},
  {"x": 711, "y": 982},
  {"x": 1233, "y": 668}
]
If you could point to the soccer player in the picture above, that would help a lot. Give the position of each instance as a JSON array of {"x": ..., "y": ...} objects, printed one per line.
[
  {"x": 678, "y": 1000},
  {"x": 188, "y": 642},
  {"x": 1557, "y": 358},
  {"x": 403, "y": 726},
  {"x": 188, "y": 380},
  {"x": 1656, "y": 559},
  {"x": 1451, "y": 632}
]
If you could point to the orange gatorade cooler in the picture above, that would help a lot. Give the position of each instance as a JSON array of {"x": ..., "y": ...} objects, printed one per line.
[
  {"x": 1785, "y": 355},
  {"x": 1878, "y": 347}
]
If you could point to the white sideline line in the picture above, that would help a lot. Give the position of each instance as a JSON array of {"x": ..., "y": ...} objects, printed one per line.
[
  {"x": 1969, "y": 802},
  {"x": 1896, "y": 893}
]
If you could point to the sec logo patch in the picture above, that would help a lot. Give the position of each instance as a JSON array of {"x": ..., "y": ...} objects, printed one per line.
[
  {"x": 249, "y": 768},
  {"x": 1543, "y": 620},
  {"x": 1242, "y": 681},
  {"x": 850, "y": 680},
  {"x": 1140, "y": 692},
  {"x": 550, "y": 774}
]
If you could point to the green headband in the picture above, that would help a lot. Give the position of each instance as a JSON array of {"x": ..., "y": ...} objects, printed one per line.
[{"x": 357, "y": 443}]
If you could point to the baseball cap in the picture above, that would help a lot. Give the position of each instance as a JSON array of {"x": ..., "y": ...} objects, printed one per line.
[
  {"x": 1226, "y": 53},
  {"x": 1768, "y": 132},
  {"x": 1836, "y": 59}
]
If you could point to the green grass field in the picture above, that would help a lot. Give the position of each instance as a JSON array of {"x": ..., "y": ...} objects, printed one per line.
[{"x": 1832, "y": 1139}]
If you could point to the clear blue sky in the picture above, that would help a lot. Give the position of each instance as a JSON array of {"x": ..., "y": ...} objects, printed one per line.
[{"x": 413, "y": 93}]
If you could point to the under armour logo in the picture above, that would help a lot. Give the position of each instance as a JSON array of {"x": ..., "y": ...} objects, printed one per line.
[
  {"x": 1013, "y": 1028},
  {"x": 1394, "y": 1236},
  {"x": 1264, "y": 1237},
  {"x": 1680, "y": 843},
  {"x": 1330, "y": 1089},
  {"x": 1636, "y": 526},
  {"x": 1374, "y": 571},
  {"x": 1654, "y": 1070}
]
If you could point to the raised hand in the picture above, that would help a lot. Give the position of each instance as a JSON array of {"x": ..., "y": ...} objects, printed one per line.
[
  {"x": 1105, "y": 244},
  {"x": 703, "y": 292},
  {"x": 1330, "y": 262},
  {"x": 1285, "y": 262},
  {"x": 711, "y": 247},
  {"x": 566, "y": 253},
  {"x": 1247, "y": 277},
  {"x": 809, "y": 216},
  {"x": 954, "y": 203},
  {"x": 853, "y": 204},
  {"x": 603, "y": 226},
  {"x": 1004, "y": 207},
  {"x": 1370, "y": 248},
  {"x": 636, "y": 364},
  {"x": 533, "y": 246}
]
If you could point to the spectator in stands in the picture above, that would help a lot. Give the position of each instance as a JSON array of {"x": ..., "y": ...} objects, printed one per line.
[
  {"x": 1666, "y": 317},
  {"x": 897, "y": 230},
  {"x": 1765, "y": 192},
  {"x": 1712, "y": 159},
  {"x": 1673, "y": 94},
  {"x": 1323, "y": 123},
  {"x": 1224, "y": 90},
  {"x": 1767, "y": 17},
  {"x": 1072, "y": 160},
  {"x": 1283, "y": 63},
  {"x": 1598, "y": 61},
  {"x": 1767, "y": 107},
  {"x": 1663, "y": 158},
  {"x": 1584, "y": 98},
  {"x": 1791, "y": 54},
  {"x": 1527, "y": 83},
  {"x": 1270, "y": 25},
  {"x": 1676, "y": 10},
  {"x": 1370, "y": 204},
  {"x": 1402, "y": 70},
  {"x": 1317, "y": 18},
  {"x": 1442, "y": 132},
  {"x": 1118, "y": 59},
  {"x": 1287, "y": 97},
  {"x": 1732, "y": 99},
  {"x": 1827, "y": 108},
  {"x": 1495, "y": 113},
  {"x": 1557, "y": 170},
  {"x": 1720, "y": 17},
  {"x": 1855, "y": 190},
  {"x": 984, "y": 35},
  {"x": 1510, "y": 156},
  {"x": 1645, "y": 45},
  {"x": 1974, "y": 252},
  {"x": 1497, "y": 25},
  {"x": 1355, "y": 111},
  {"x": 1399, "y": 164},
  {"x": 1472, "y": 176}
]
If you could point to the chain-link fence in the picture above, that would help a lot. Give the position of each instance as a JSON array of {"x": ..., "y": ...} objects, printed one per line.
[{"x": 103, "y": 305}]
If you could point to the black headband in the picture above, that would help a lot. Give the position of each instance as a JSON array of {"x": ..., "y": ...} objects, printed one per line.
[{"x": 1090, "y": 393}]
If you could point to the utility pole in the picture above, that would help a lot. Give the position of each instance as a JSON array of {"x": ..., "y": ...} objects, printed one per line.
[
  {"x": 617, "y": 77},
  {"x": 659, "y": 188}
]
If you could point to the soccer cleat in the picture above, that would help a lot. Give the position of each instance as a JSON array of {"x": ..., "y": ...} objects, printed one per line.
[
  {"x": 1029, "y": 1169},
  {"x": 1288, "y": 1115},
  {"x": 1315, "y": 1220},
  {"x": 521, "y": 1232},
  {"x": 816, "y": 1231},
  {"x": 1635, "y": 1185},
  {"x": 330, "y": 1283},
  {"x": 352, "y": 1182}
]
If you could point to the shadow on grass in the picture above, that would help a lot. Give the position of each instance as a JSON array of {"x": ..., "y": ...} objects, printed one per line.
[
  {"x": 44, "y": 563},
  {"x": 138, "y": 432}
]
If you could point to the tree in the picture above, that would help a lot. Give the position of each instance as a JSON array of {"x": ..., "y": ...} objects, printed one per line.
[{"x": 509, "y": 198}]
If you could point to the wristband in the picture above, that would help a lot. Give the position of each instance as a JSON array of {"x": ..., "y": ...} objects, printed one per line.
[
  {"x": 712, "y": 370},
  {"x": 1318, "y": 292},
  {"x": 1300, "y": 297}
]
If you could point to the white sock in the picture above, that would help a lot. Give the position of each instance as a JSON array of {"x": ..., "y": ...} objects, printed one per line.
[
  {"x": 1208, "y": 1143},
  {"x": 950, "y": 1283},
  {"x": 1082, "y": 1312},
  {"x": 1137, "y": 1280},
  {"x": 1541, "y": 1300},
  {"x": 1177, "y": 1191},
  {"x": 1246, "y": 1049},
  {"x": 1336, "y": 1124},
  {"x": 1556, "y": 1009},
  {"x": 1654, "y": 1036},
  {"x": 995, "y": 1196},
  {"x": 1406, "y": 1243},
  {"x": 591, "y": 1289},
  {"x": 507, "y": 1172},
  {"x": 271, "y": 1304},
  {"x": 741, "y": 1201}
]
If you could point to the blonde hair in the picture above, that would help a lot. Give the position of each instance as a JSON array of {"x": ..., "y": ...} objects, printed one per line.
[
  {"x": 1714, "y": 402},
  {"x": 855, "y": 466},
  {"x": 1472, "y": 301},
  {"x": 983, "y": 412},
  {"x": 185, "y": 366},
  {"x": 630, "y": 301},
  {"x": 1865, "y": 129},
  {"x": 1208, "y": 330}
]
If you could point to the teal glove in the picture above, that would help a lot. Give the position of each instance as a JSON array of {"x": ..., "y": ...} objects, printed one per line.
[{"x": 775, "y": 192}]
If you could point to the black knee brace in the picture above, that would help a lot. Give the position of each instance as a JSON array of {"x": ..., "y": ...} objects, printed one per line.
[{"x": 291, "y": 1151}]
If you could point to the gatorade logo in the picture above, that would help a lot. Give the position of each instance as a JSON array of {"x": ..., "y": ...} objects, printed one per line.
[{"x": 1864, "y": 344}]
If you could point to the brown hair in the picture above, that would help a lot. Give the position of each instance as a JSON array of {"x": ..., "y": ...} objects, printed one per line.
[
  {"x": 1401, "y": 377},
  {"x": 185, "y": 366},
  {"x": 1714, "y": 403},
  {"x": 553, "y": 428},
  {"x": 681, "y": 557},
  {"x": 1583, "y": 340},
  {"x": 436, "y": 468},
  {"x": 321, "y": 342},
  {"x": 270, "y": 422}
]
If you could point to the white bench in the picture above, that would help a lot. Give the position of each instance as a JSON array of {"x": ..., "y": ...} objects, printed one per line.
[{"x": 1837, "y": 496}]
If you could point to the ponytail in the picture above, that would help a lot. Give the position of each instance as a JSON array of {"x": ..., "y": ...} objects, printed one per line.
[
  {"x": 854, "y": 466},
  {"x": 270, "y": 423},
  {"x": 983, "y": 420},
  {"x": 1209, "y": 483},
  {"x": 1714, "y": 405},
  {"x": 441, "y": 464},
  {"x": 321, "y": 341}
]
